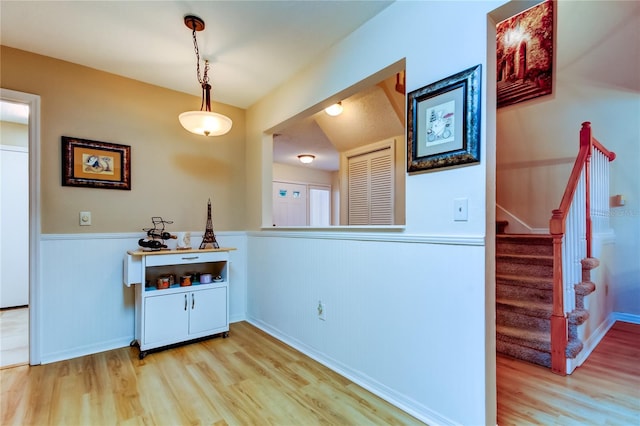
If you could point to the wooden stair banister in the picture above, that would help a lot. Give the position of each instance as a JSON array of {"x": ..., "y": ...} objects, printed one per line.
[{"x": 557, "y": 228}]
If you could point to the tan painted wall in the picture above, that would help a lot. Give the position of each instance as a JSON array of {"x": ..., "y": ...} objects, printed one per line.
[
  {"x": 14, "y": 134},
  {"x": 288, "y": 173},
  {"x": 173, "y": 172}
]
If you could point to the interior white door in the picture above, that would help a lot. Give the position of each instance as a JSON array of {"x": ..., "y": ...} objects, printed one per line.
[
  {"x": 289, "y": 204},
  {"x": 14, "y": 226},
  {"x": 319, "y": 205}
]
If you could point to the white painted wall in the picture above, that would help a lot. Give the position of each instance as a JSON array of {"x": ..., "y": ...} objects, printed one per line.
[
  {"x": 409, "y": 318},
  {"x": 86, "y": 307},
  {"x": 405, "y": 329}
]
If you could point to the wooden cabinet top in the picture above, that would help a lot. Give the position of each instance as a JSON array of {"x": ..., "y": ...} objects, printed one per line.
[{"x": 160, "y": 252}]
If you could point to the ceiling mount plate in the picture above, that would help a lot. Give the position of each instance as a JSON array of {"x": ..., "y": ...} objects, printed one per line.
[{"x": 194, "y": 23}]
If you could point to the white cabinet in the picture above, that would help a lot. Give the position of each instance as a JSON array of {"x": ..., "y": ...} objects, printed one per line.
[
  {"x": 165, "y": 319},
  {"x": 208, "y": 311},
  {"x": 178, "y": 313}
]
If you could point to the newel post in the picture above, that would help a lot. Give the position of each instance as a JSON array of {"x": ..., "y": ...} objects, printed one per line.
[{"x": 559, "y": 323}]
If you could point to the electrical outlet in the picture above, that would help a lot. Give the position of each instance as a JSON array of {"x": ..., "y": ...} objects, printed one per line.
[
  {"x": 322, "y": 311},
  {"x": 460, "y": 210}
]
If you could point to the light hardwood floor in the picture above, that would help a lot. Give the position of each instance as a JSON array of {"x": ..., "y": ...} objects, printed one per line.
[
  {"x": 605, "y": 390},
  {"x": 252, "y": 379},
  {"x": 14, "y": 337},
  {"x": 248, "y": 379}
]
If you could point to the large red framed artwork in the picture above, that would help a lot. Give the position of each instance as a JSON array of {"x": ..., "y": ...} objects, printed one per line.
[{"x": 524, "y": 62}]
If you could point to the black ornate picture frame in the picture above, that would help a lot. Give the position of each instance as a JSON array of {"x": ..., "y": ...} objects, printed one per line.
[
  {"x": 444, "y": 122},
  {"x": 95, "y": 164}
]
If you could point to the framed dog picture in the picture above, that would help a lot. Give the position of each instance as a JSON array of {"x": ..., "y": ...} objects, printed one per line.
[{"x": 95, "y": 164}]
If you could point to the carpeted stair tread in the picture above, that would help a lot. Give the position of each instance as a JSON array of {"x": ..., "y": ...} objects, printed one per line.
[
  {"x": 530, "y": 259},
  {"x": 541, "y": 283},
  {"x": 527, "y": 307},
  {"x": 524, "y": 265},
  {"x": 527, "y": 238},
  {"x": 578, "y": 316},
  {"x": 535, "y": 339},
  {"x": 524, "y": 353},
  {"x": 573, "y": 348},
  {"x": 584, "y": 288},
  {"x": 523, "y": 245}
]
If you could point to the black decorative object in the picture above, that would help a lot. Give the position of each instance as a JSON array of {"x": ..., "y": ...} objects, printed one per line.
[
  {"x": 209, "y": 239},
  {"x": 157, "y": 235}
]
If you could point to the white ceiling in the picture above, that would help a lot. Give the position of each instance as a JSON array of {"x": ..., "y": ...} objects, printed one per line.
[
  {"x": 368, "y": 116},
  {"x": 253, "y": 46}
]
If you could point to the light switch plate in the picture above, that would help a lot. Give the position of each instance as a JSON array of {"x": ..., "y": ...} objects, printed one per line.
[
  {"x": 85, "y": 218},
  {"x": 460, "y": 210}
]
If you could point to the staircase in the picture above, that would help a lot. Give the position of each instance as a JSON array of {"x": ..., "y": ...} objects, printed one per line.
[{"x": 524, "y": 298}]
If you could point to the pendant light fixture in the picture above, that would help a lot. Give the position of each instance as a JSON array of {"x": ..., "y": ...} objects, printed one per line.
[{"x": 203, "y": 122}]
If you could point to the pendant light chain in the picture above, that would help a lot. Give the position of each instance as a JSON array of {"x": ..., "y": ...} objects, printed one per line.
[
  {"x": 203, "y": 122},
  {"x": 201, "y": 80},
  {"x": 204, "y": 81}
]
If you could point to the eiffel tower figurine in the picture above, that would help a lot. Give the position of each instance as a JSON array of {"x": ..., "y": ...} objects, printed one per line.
[{"x": 209, "y": 239}]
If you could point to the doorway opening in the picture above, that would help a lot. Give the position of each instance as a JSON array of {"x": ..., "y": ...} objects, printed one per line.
[{"x": 20, "y": 232}]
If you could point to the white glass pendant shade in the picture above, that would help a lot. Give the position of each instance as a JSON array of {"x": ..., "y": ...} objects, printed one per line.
[
  {"x": 306, "y": 158},
  {"x": 334, "y": 110},
  {"x": 205, "y": 123}
]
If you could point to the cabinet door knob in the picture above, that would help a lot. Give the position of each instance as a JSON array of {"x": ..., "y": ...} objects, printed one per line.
[
  {"x": 193, "y": 300},
  {"x": 185, "y": 302}
]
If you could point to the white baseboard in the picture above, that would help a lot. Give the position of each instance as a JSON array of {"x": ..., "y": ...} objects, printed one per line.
[
  {"x": 517, "y": 226},
  {"x": 620, "y": 316},
  {"x": 597, "y": 336},
  {"x": 86, "y": 350},
  {"x": 408, "y": 405},
  {"x": 237, "y": 318},
  {"x": 590, "y": 344}
]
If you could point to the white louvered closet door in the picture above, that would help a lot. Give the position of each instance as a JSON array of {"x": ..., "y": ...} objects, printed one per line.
[{"x": 371, "y": 188}]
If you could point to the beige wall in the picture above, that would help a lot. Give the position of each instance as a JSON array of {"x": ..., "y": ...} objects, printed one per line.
[
  {"x": 288, "y": 173},
  {"x": 173, "y": 172},
  {"x": 14, "y": 134}
]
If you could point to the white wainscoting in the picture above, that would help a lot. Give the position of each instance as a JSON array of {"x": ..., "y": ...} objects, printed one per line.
[
  {"x": 405, "y": 318},
  {"x": 85, "y": 308}
]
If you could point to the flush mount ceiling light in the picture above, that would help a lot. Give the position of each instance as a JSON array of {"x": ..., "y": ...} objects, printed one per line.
[
  {"x": 203, "y": 122},
  {"x": 306, "y": 158},
  {"x": 334, "y": 110}
]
